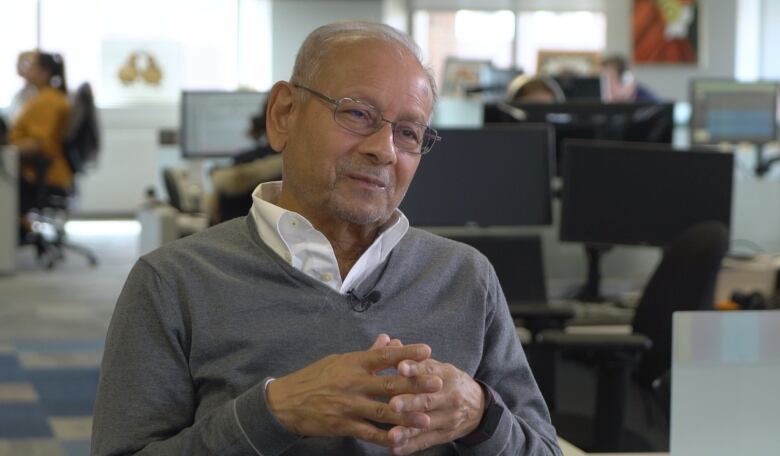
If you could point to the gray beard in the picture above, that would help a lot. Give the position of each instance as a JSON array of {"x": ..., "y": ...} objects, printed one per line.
[{"x": 360, "y": 217}]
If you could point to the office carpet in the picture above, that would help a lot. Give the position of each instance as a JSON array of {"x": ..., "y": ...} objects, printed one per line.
[
  {"x": 47, "y": 391},
  {"x": 52, "y": 332}
]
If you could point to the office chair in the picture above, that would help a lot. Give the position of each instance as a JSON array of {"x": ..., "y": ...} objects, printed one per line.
[
  {"x": 185, "y": 200},
  {"x": 684, "y": 279},
  {"x": 80, "y": 146},
  {"x": 233, "y": 185}
]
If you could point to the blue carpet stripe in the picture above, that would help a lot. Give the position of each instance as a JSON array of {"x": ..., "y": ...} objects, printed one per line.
[{"x": 59, "y": 346}]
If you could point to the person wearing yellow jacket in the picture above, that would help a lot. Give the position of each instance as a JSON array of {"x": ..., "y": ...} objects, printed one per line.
[{"x": 40, "y": 127}]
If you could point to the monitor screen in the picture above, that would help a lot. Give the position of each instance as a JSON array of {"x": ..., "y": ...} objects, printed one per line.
[
  {"x": 632, "y": 193},
  {"x": 496, "y": 176},
  {"x": 731, "y": 111},
  {"x": 580, "y": 87},
  {"x": 641, "y": 122},
  {"x": 216, "y": 123},
  {"x": 518, "y": 262}
]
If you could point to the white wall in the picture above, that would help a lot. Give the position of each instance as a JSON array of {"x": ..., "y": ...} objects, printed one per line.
[
  {"x": 294, "y": 19},
  {"x": 129, "y": 159}
]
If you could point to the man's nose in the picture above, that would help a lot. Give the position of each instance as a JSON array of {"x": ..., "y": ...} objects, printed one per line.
[{"x": 379, "y": 145}]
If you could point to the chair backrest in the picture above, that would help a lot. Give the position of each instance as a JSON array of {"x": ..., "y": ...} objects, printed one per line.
[
  {"x": 182, "y": 194},
  {"x": 172, "y": 179},
  {"x": 684, "y": 280},
  {"x": 3, "y": 131},
  {"x": 82, "y": 136}
]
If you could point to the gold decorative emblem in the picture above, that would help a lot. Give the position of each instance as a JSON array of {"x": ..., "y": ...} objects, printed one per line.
[{"x": 140, "y": 65}]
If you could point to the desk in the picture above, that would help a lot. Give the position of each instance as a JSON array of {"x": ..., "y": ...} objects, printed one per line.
[
  {"x": 571, "y": 450},
  {"x": 9, "y": 219}
]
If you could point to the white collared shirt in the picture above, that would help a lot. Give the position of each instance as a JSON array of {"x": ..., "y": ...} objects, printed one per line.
[{"x": 296, "y": 240}]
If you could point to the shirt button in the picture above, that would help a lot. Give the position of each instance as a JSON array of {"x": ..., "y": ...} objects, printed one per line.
[
  {"x": 294, "y": 222},
  {"x": 326, "y": 277}
]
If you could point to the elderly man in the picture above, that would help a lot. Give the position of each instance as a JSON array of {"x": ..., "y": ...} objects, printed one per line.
[{"x": 322, "y": 323}]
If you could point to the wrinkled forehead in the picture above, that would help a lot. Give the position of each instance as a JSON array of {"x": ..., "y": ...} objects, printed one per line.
[{"x": 358, "y": 53}]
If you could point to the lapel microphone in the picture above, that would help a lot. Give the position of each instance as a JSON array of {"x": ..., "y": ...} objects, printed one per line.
[{"x": 363, "y": 303}]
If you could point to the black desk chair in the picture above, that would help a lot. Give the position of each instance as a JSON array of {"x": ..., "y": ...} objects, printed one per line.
[
  {"x": 685, "y": 279},
  {"x": 48, "y": 216},
  {"x": 50, "y": 211}
]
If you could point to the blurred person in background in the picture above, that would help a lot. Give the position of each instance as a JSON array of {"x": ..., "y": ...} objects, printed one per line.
[
  {"x": 40, "y": 126},
  {"x": 620, "y": 85},
  {"x": 24, "y": 62},
  {"x": 534, "y": 89}
]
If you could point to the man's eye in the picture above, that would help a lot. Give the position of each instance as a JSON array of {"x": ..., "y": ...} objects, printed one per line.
[
  {"x": 359, "y": 114},
  {"x": 409, "y": 133}
]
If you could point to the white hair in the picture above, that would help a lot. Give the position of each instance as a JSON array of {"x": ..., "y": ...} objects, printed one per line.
[{"x": 316, "y": 46}]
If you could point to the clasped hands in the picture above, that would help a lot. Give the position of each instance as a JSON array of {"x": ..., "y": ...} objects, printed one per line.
[{"x": 430, "y": 402}]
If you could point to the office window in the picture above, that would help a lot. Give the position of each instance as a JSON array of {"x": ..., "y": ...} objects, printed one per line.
[
  {"x": 465, "y": 34},
  {"x": 17, "y": 34},
  {"x": 558, "y": 31},
  {"x": 178, "y": 44},
  {"x": 503, "y": 37}
]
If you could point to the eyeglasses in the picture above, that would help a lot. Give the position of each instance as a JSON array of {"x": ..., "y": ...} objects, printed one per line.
[{"x": 361, "y": 118}]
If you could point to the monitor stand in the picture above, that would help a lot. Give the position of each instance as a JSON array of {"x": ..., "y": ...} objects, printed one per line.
[{"x": 591, "y": 290}]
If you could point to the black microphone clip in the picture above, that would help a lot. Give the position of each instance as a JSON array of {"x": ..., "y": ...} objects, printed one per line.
[{"x": 363, "y": 303}]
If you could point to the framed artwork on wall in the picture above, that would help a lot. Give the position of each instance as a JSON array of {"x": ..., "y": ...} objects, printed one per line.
[
  {"x": 460, "y": 74},
  {"x": 580, "y": 63},
  {"x": 665, "y": 31}
]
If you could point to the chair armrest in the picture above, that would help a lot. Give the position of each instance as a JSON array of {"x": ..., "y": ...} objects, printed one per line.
[{"x": 540, "y": 317}]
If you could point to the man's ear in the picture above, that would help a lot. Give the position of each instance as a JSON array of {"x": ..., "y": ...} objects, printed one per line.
[{"x": 280, "y": 108}]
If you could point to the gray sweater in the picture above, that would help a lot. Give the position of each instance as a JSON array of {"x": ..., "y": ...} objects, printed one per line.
[{"x": 203, "y": 321}]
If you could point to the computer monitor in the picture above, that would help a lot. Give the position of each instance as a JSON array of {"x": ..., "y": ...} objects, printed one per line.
[
  {"x": 638, "y": 194},
  {"x": 215, "y": 123},
  {"x": 580, "y": 87},
  {"x": 518, "y": 262},
  {"x": 636, "y": 122},
  {"x": 495, "y": 176},
  {"x": 732, "y": 112},
  {"x": 641, "y": 194}
]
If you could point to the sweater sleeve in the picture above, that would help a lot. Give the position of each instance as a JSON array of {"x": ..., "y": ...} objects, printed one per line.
[
  {"x": 147, "y": 401},
  {"x": 524, "y": 427}
]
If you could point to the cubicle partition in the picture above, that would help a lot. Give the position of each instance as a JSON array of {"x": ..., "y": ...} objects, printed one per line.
[{"x": 9, "y": 214}]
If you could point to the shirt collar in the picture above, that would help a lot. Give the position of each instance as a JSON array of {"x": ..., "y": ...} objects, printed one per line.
[{"x": 291, "y": 236}]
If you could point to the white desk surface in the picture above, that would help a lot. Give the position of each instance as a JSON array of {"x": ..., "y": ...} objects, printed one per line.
[{"x": 571, "y": 450}]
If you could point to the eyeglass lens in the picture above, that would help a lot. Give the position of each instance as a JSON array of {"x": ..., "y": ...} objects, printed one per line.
[{"x": 364, "y": 119}]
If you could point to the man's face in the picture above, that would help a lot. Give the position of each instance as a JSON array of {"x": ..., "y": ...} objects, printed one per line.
[{"x": 332, "y": 174}]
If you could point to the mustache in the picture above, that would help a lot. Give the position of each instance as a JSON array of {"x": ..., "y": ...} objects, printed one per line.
[{"x": 380, "y": 176}]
